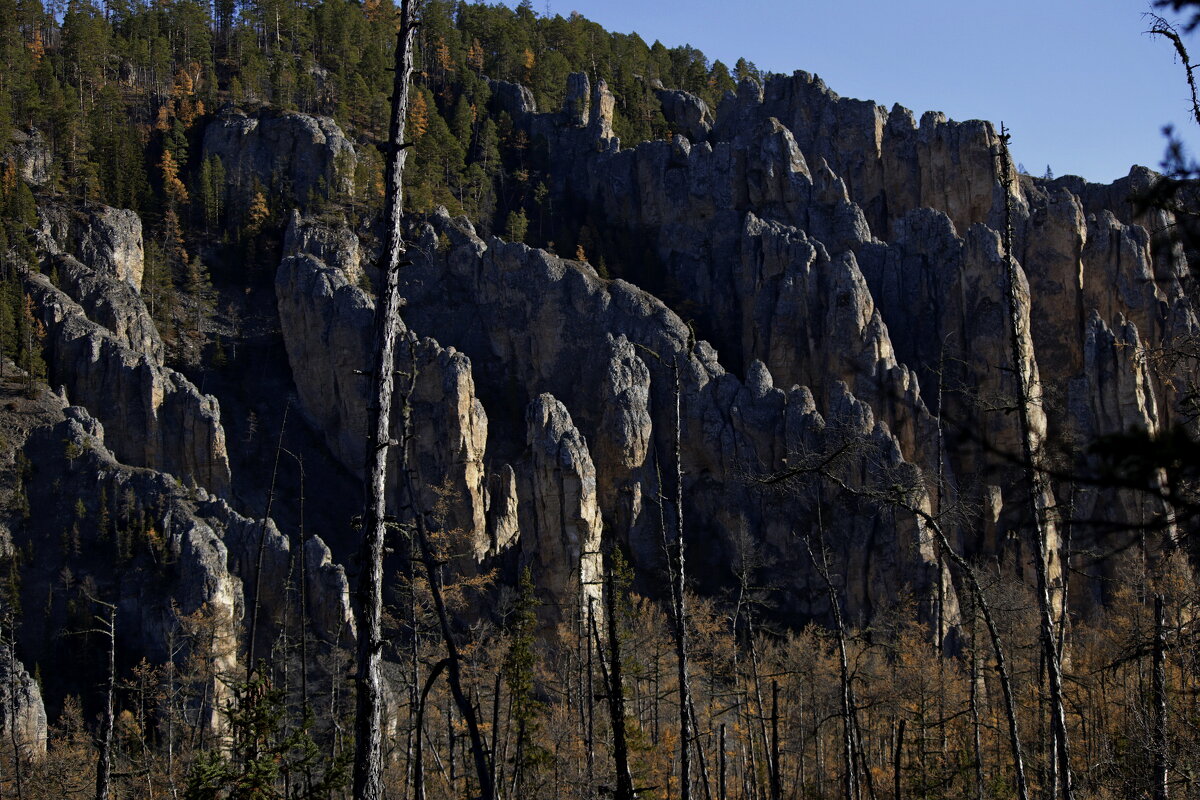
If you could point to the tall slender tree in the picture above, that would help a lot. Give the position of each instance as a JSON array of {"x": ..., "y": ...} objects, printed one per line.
[
  {"x": 368, "y": 764},
  {"x": 1040, "y": 494}
]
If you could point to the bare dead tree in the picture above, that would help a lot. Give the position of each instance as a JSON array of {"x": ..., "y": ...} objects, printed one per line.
[
  {"x": 368, "y": 762},
  {"x": 678, "y": 584},
  {"x": 850, "y": 779},
  {"x": 614, "y": 683},
  {"x": 1039, "y": 487},
  {"x": 262, "y": 546},
  {"x": 107, "y": 627},
  {"x": 824, "y": 466},
  {"x": 18, "y": 756},
  {"x": 1159, "y": 786}
]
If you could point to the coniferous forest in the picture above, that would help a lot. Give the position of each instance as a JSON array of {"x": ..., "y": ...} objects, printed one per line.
[{"x": 749, "y": 441}]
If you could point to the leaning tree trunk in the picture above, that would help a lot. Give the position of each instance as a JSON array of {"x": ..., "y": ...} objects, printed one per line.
[
  {"x": 368, "y": 767},
  {"x": 1039, "y": 491}
]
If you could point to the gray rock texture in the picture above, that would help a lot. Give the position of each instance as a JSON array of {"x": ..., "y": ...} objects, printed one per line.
[
  {"x": 327, "y": 327},
  {"x": 288, "y": 154},
  {"x": 155, "y": 417},
  {"x": 108, "y": 240},
  {"x": 185, "y": 561},
  {"x": 109, "y": 302},
  {"x": 533, "y": 323},
  {"x": 513, "y": 98},
  {"x": 31, "y": 153},
  {"x": 686, "y": 113},
  {"x": 22, "y": 713},
  {"x": 564, "y": 546}
]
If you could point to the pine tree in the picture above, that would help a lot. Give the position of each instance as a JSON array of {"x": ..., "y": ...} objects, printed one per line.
[
  {"x": 31, "y": 335},
  {"x": 518, "y": 668},
  {"x": 212, "y": 191},
  {"x": 516, "y": 226}
]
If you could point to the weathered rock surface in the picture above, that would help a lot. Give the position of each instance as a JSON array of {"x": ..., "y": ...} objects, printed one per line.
[
  {"x": 833, "y": 240},
  {"x": 170, "y": 558},
  {"x": 108, "y": 240},
  {"x": 288, "y": 154},
  {"x": 22, "y": 713},
  {"x": 154, "y": 416},
  {"x": 175, "y": 553},
  {"x": 327, "y": 327},
  {"x": 30, "y": 152},
  {"x": 686, "y": 113},
  {"x": 109, "y": 302},
  {"x": 531, "y": 323},
  {"x": 329, "y": 594},
  {"x": 513, "y": 98},
  {"x": 333, "y": 244},
  {"x": 564, "y": 546}
]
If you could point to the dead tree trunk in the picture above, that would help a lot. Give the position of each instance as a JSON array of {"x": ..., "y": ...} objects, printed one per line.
[
  {"x": 1039, "y": 491},
  {"x": 679, "y": 583},
  {"x": 104, "y": 758},
  {"x": 616, "y": 689},
  {"x": 368, "y": 761},
  {"x": 251, "y": 645},
  {"x": 1159, "y": 745},
  {"x": 18, "y": 755},
  {"x": 850, "y": 784}
]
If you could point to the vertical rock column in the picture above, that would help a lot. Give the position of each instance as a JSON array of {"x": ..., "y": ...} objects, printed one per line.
[{"x": 566, "y": 541}]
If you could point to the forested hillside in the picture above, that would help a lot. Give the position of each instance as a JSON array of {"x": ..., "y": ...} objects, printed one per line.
[{"x": 752, "y": 442}]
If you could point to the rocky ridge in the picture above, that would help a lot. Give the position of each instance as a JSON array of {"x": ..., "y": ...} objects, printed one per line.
[
  {"x": 836, "y": 293},
  {"x": 794, "y": 187},
  {"x": 529, "y": 321},
  {"x": 156, "y": 416}
]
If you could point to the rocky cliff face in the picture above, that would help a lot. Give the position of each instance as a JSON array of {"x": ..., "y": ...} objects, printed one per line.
[
  {"x": 22, "y": 714},
  {"x": 108, "y": 240},
  {"x": 835, "y": 241},
  {"x": 30, "y": 153},
  {"x": 823, "y": 279},
  {"x": 179, "y": 564},
  {"x": 285, "y": 154},
  {"x": 536, "y": 324},
  {"x": 547, "y": 339},
  {"x": 156, "y": 417}
]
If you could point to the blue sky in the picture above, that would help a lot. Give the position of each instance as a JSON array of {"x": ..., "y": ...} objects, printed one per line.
[{"x": 1081, "y": 86}]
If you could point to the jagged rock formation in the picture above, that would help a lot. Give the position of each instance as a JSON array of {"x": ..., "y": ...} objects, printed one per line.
[
  {"x": 155, "y": 416},
  {"x": 22, "y": 713},
  {"x": 30, "y": 153},
  {"x": 329, "y": 595},
  {"x": 296, "y": 156},
  {"x": 686, "y": 113},
  {"x": 849, "y": 291},
  {"x": 108, "y": 240},
  {"x": 534, "y": 322},
  {"x": 327, "y": 328},
  {"x": 512, "y": 98},
  {"x": 332, "y": 244},
  {"x": 170, "y": 558},
  {"x": 109, "y": 302},
  {"x": 566, "y": 516},
  {"x": 530, "y": 323},
  {"x": 835, "y": 241},
  {"x": 187, "y": 532}
]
